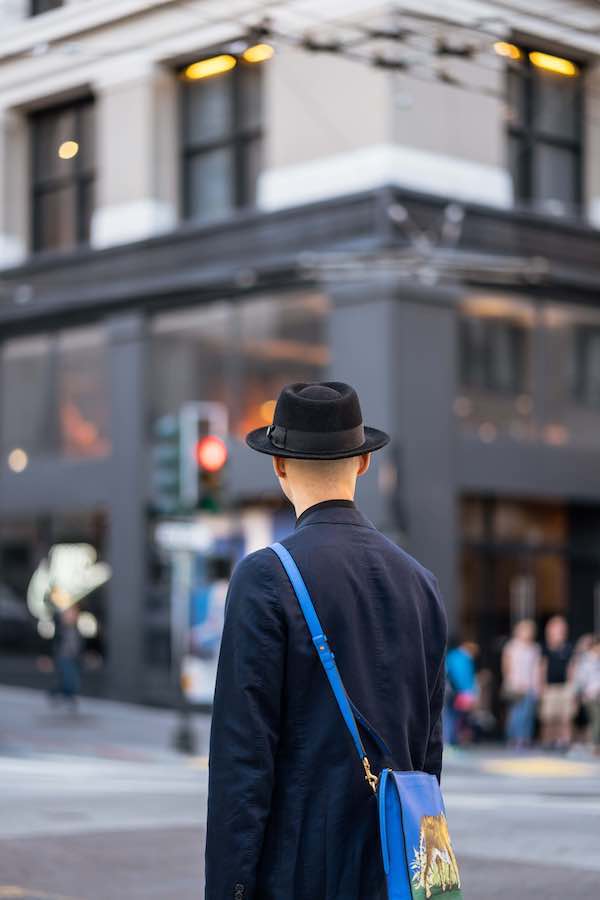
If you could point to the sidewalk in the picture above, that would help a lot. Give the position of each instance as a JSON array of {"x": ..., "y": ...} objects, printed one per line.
[
  {"x": 29, "y": 724},
  {"x": 107, "y": 729},
  {"x": 489, "y": 766}
]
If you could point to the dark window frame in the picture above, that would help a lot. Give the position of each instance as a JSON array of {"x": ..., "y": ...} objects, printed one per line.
[
  {"x": 80, "y": 177},
  {"x": 239, "y": 138},
  {"x": 39, "y": 7},
  {"x": 583, "y": 336},
  {"x": 529, "y": 137},
  {"x": 517, "y": 335}
]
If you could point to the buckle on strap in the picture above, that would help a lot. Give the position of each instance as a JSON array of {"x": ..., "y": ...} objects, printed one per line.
[
  {"x": 325, "y": 652},
  {"x": 370, "y": 777}
]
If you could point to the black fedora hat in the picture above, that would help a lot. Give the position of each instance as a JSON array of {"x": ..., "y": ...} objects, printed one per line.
[{"x": 320, "y": 420}]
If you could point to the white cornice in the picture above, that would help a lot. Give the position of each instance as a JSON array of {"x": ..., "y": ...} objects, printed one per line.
[{"x": 69, "y": 21}]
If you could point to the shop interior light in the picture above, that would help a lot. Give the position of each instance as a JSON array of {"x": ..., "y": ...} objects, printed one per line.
[
  {"x": 68, "y": 149},
  {"x": 503, "y": 48},
  {"x": 555, "y": 64},
  {"x": 87, "y": 625},
  {"x": 206, "y": 68},
  {"x": 17, "y": 460},
  {"x": 266, "y": 411},
  {"x": 258, "y": 53},
  {"x": 46, "y": 629}
]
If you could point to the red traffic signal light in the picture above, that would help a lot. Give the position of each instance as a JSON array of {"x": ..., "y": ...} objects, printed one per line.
[{"x": 211, "y": 453}]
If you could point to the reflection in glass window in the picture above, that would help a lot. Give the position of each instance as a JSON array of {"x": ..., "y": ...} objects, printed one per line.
[
  {"x": 239, "y": 354},
  {"x": 82, "y": 387},
  {"x": 61, "y": 379},
  {"x": 24, "y": 544},
  {"x": 191, "y": 354},
  {"x": 282, "y": 342},
  {"x": 555, "y": 174},
  {"x": 494, "y": 362},
  {"x": 587, "y": 365},
  {"x": 25, "y": 383},
  {"x": 492, "y": 354},
  {"x": 571, "y": 383}
]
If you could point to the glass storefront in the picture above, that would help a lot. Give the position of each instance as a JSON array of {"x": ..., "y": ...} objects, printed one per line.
[
  {"x": 495, "y": 357},
  {"x": 281, "y": 342},
  {"x": 190, "y": 564},
  {"x": 238, "y": 353},
  {"x": 528, "y": 371},
  {"x": 571, "y": 375},
  {"x": 527, "y": 559},
  {"x": 46, "y": 563},
  {"x": 61, "y": 379}
]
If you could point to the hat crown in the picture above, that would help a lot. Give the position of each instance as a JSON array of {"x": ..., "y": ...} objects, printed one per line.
[{"x": 323, "y": 406}]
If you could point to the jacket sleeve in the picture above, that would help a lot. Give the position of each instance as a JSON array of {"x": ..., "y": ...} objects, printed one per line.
[
  {"x": 244, "y": 731},
  {"x": 435, "y": 744}
]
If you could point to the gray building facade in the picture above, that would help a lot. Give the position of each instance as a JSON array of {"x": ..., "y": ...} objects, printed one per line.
[
  {"x": 491, "y": 479},
  {"x": 198, "y": 208}
]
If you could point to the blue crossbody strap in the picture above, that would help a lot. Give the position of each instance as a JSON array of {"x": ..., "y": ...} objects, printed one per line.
[
  {"x": 328, "y": 661},
  {"x": 368, "y": 727}
]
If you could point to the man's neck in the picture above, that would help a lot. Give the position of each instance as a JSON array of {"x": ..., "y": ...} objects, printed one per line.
[{"x": 304, "y": 503}]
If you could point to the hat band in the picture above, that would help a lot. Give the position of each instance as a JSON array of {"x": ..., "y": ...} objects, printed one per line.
[{"x": 316, "y": 441}]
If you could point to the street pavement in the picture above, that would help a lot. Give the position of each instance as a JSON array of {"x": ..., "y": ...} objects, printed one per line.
[{"x": 99, "y": 806}]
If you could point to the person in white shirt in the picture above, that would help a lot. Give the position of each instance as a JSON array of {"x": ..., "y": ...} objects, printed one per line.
[{"x": 521, "y": 682}]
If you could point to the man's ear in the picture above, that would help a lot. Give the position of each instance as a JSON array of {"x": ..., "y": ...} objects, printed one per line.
[
  {"x": 365, "y": 462},
  {"x": 279, "y": 466}
]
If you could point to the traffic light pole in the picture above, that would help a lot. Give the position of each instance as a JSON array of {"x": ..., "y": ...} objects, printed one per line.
[
  {"x": 202, "y": 431},
  {"x": 184, "y": 736}
]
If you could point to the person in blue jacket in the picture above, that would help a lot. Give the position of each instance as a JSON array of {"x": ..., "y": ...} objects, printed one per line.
[
  {"x": 461, "y": 692},
  {"x": 290, "y": 814}
]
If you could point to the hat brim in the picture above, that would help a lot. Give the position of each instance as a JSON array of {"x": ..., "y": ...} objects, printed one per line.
[{"x": 374, "y": 440}]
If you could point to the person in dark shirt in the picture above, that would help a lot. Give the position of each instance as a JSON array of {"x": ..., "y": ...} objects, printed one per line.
[
  {"x": 290, "y": 814},
  {"x": 558, "y": 706},
  {"x": 67, "y": 652}
]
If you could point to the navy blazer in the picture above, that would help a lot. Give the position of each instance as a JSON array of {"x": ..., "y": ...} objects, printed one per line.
[{"x": 290, "y": 815}]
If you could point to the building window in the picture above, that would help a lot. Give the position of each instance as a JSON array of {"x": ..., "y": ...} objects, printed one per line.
[
  {"x": 282, "y": 340},
  {"x": 238, "y": 354},
  {"x": 62, "y": 380},
  {"x": 63, "y": 175},
  {"x": 492, "y": 354},
  {"x": 26, "y": 613},
  {"x": 586, "y": 368},
  {"x": 222, "y": 139},
  {"x": 545, "y": 130},
  {"x": 37, "y": 7}
]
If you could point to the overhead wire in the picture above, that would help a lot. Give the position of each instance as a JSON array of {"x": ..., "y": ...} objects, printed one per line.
[{"x": 422, "y": 69}]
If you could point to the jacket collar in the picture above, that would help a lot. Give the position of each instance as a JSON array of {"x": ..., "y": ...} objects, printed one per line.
[{"x": 333, "y": 512}]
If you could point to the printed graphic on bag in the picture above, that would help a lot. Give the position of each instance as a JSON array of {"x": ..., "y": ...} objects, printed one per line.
[{"x": 434, "y": 867}]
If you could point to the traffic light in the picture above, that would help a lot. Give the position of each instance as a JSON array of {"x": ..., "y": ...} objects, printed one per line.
[
  {"x": 189, "y": 456},
  {"x": 204, "y": 455},
  {"x": 166, "y": 465},
  {"x": 211, "y": 453}
]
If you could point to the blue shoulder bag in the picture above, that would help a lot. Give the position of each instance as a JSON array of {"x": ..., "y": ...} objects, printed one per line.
[{"x": 417, "y": 853}]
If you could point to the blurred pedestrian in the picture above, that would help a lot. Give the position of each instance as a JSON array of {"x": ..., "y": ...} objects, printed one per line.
[
  {"x": 461, "y": 693},
  {"x": 290, "y": 813},
  {"x": 67, "y": 654},
  {"x": 580, "y": 655},
  {"x": 558, "y": 702},
  {"x": 521, "y": 671},
  {"x": 587, "y": 681}
]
